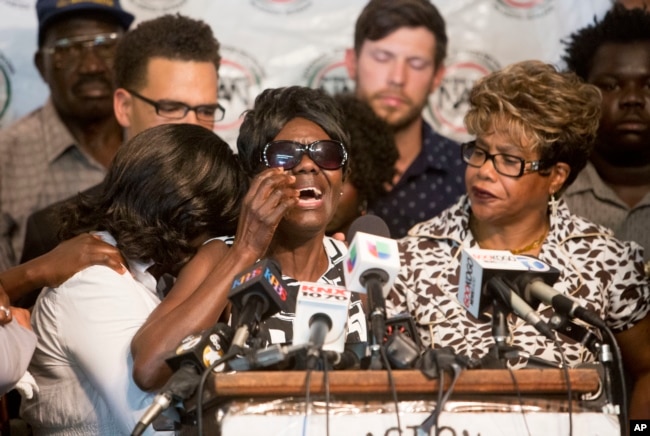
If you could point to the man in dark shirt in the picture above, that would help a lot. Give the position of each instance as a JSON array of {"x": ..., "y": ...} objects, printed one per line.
[{"x": 397, "y": 62}]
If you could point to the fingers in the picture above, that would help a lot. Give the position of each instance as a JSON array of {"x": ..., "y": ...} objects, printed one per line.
[
  {"x": 270, "y": 195},
  {"x": 112, "y": 260},
  {"x": 94, "y": 251},
  {"x": 22, "y": 317},
  {"x": 5, "y": 312},
  {"x": 5, "y": 315},
  {"x": 339, "y": 236},
  {"x": 272, "y": 190}
]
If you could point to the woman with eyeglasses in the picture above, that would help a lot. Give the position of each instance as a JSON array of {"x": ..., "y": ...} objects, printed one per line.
[
  {"x": 534, "y": 129},
  {"x": 293, "y": 147}
]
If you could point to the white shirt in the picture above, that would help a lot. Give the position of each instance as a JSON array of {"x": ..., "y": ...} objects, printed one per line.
[
  {"x": 16, "y": 348},
  {"x": 83, "y": 363}
]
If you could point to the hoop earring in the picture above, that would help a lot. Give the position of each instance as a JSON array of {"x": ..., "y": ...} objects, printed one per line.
[{"x": 552, "y": 203}]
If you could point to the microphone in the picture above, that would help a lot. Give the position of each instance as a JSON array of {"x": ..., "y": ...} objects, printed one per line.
[
  {"x": 321, "y": 318},
  {"x": 257, "y": 293},
  {"x": 195, "y": 353},
  {"x": 180, "y": 386},
  {"x": 533, "y": 288},
  {"x": 202, "y": 349},
  {"x": 372, "y": 256},
  {"x": 402, "y": 341},
  {"x": 348, "y": 359},
  {"x": 477, "y": 289},
  {"x": 499, "y": 289},
  {"x": 478, "y": 266},
  {"x": 271, "y": 355},
  {"x": 371, "y": 267}
]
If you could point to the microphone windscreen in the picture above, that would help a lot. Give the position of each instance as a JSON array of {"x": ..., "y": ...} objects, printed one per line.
[{"x": 370, "y": 224}]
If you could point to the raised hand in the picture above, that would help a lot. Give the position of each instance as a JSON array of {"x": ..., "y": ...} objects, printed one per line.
[{"x": 270, "y": 195}]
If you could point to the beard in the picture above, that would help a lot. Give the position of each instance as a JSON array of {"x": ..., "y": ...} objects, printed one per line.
[{"x": 397, "y": 118}]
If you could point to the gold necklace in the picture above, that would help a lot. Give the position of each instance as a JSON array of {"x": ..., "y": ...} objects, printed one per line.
[{"x": 533, "y": 245}]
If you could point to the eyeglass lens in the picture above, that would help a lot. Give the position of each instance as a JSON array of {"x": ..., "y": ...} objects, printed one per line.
[
  {"x": 176, "y": 110},
  {"x": 68, "y": 51},
  {"x": 327, "y": 154},
  {"x": 505, "y": 164}
]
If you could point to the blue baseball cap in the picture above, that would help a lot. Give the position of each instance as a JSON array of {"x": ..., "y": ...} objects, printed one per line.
[{"x": 48, "y": 10}]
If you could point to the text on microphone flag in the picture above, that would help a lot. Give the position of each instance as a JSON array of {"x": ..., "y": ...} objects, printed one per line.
[{"x": 266, "y": 272}]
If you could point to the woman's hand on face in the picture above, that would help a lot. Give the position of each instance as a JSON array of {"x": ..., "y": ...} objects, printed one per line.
[
  {"x": 82, "y": 251},
  {"x": 270, "y": 195}
]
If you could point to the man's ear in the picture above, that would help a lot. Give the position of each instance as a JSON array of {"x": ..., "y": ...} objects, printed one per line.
[
  {"x": 351, "y": 63},
  {"x": 437, "y": 78},
  {"x": 123, "y": 107}
]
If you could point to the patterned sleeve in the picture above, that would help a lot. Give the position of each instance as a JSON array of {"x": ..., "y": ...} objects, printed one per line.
[
  {"x": 629, "y": 292},
  {"x": 396, "y": 301}
]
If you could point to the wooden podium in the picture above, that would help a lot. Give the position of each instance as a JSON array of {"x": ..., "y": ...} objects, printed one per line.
[{"x": 537, "y": 389}]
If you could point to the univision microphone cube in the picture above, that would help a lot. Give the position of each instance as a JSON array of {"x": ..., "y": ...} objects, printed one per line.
[{"x": 368, "y": 253}]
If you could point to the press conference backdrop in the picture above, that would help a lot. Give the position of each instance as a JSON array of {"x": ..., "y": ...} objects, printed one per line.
[{"x": 271, "y": 43}]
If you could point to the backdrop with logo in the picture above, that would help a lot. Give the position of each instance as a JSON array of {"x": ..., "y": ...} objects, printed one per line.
[{"x": 271, "y": 43}]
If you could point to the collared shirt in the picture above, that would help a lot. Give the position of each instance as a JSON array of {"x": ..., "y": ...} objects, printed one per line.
[
  {"x": 432, "y": 183},
  {"x": 40, "y": 164},
  {"x": 602, "y": 273},
  {"x": 82, "y": 363},
  {"x": 590, "y": 197},
  {"x": 16, "y": 347}
]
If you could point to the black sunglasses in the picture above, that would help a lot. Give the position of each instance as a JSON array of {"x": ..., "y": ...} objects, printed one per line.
[{"x": 328, "y": 154}]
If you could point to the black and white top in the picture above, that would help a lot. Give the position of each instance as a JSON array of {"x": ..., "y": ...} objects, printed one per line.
[{"x": 279, "y": 328}]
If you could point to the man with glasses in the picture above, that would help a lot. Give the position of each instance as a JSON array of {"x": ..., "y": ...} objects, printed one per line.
[
  {"x": 397, "y": 62},
  {"x": 166, "y": 71},
  {"x": 66, "y": 145}
]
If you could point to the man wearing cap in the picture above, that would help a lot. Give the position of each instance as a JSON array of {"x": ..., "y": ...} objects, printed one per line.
[{"x": 66, "y": 145}]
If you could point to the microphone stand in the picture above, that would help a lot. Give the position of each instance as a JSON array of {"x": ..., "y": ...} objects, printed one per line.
[
  {"x": 373, "y": 281},
  {"x": 602, "y": 351},
  {"x": 499, "y": 353}
]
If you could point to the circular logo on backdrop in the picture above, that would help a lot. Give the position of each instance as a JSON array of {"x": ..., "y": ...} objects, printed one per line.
[
  {"x": 5, "y": 85},
  {"x": 449, "y": 103},
  {"x": 328, "y": 72},
  {"x": 240, "y": 78},
  {"x": 156, "y": 5},
  {"x": 524, "y": 9},
  {"x": 282, "y": 6},
  {"x": 22, "y": 4}
]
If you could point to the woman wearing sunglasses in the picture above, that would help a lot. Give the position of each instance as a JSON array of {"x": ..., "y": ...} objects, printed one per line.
[
  {"x": 534, "y": 130},
  {"x": 292, "y": 145}
]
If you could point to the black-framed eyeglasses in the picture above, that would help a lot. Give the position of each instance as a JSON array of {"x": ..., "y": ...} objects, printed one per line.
[
  {"x": 176, "y": 110},
  {"x": 68, "y": 51},
  {"x": 504, "y": 164},
  {"x": 329, "y": 154}
]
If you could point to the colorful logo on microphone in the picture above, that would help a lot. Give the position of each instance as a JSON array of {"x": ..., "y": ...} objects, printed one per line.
[
  {"x": 379, "y": 249},
  {"x": 352, "y": 258}
]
